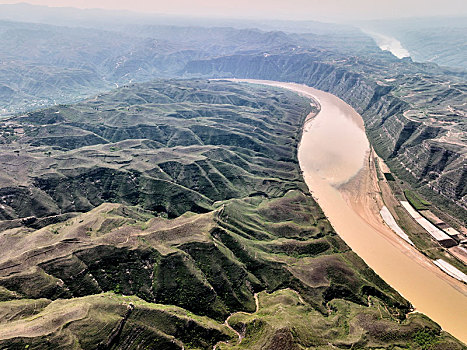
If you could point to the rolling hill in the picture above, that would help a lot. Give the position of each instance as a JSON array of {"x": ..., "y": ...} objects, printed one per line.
[{"x": 160, "y": 210}]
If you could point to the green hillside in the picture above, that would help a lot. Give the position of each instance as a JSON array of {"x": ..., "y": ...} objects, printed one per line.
[{"x": 173, "y": 215}]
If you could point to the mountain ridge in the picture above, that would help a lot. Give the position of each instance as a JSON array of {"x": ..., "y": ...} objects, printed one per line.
[{"x": 269, "y": 241}]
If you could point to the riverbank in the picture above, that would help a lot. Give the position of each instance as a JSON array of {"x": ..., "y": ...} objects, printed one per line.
[{"x": 334, "y": 155}]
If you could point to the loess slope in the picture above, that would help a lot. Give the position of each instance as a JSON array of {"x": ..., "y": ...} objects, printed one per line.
[{"x": 173, "y": 215}]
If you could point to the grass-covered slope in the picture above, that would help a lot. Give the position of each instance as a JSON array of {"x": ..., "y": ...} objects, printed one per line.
[
  {"x": 168, "y": 146},
  {"x": 104, "y": 321},
  {"x": 285, "y": 321},
  {"x": 188, "y": 209},
  {"x": 209, "y": 266},
  {"x": 414, "y": 113}
]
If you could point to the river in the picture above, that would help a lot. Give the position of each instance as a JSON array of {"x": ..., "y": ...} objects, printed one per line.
[
  {"x": 389, "y": 43},
  {"x": 334, "y": 157}
]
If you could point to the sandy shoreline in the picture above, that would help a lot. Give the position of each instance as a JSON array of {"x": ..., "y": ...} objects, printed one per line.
[{"x": 342, "y": 176}]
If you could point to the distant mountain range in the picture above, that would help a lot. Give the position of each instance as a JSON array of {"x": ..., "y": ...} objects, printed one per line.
[
  {"x": 438, "y": 40},
  {"x": 46, "y": 64},
  {"x": 99, "y": 18},
  {"x": 143, "y": 205}
]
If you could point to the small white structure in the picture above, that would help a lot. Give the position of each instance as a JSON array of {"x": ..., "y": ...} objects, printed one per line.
[
  {"x": 451, "y": 270},
  {"x": 435, "y": 232},
  {"x": 391, "y": 222}
]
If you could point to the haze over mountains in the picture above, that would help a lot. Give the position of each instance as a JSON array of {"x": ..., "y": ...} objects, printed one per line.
[
  {"x": 142, "y": 204},
  {"x": 75, "y": 61},
  {"x": 70, "y": 63},
  {"x": 439, "y": 40}
]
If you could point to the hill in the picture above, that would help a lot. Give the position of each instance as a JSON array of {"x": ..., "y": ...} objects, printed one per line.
[
  {"x": 413, "y": 113},
  {"x": 159, "y": 211}
]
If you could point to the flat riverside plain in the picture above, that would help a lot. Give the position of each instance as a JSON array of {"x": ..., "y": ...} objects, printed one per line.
[{"x": 334, "y": 155}]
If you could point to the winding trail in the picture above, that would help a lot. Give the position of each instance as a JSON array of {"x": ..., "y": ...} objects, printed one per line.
[
  {"x": 241, "y": 336},
  {"x": 335, "y": 158},
  {"x": 226, "y": 323}
]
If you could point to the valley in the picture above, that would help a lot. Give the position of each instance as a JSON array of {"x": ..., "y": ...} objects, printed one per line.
[
  {"x": 211, "y": 183},
  {"x": 339, "y": 170},
  {"x": 164, "y": 254},
  {"x": 436, "y": 40},
  {"x": 413, "y": 116}
]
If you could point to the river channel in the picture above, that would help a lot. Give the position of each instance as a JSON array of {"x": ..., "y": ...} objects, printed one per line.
[{"x": 334, "y": 155}]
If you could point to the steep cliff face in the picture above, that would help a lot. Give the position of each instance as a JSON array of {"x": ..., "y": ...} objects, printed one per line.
[{"x": 405, "y": 126}]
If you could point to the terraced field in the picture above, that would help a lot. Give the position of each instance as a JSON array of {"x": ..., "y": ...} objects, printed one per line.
[{"x": 148, "y": 216}]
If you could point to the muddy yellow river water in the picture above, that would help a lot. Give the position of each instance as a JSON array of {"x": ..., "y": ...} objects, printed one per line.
[{"x": 334, "y": 157}]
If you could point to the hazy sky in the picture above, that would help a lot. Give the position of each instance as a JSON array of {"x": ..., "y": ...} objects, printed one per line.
[{"x": 284, "y": 9}]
